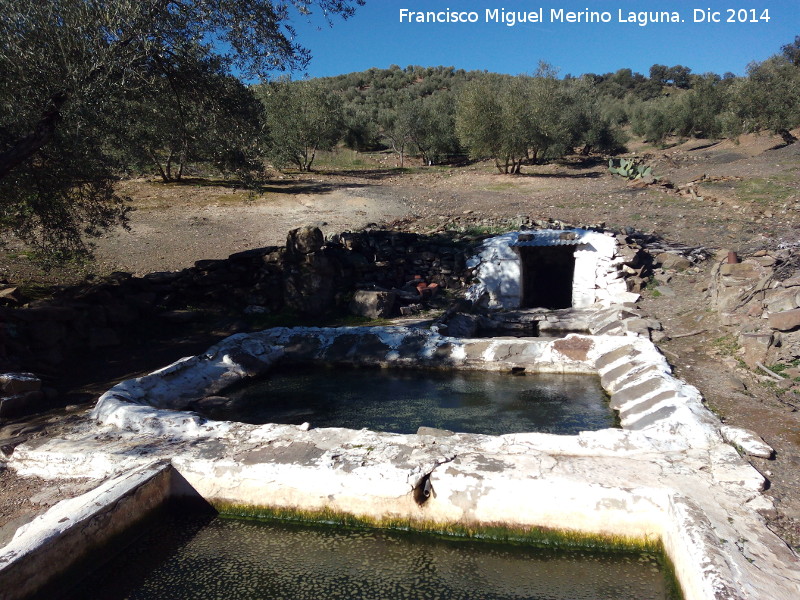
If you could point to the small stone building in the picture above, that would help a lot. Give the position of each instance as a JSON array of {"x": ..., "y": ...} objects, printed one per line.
[{"x": 549, "y": 268}]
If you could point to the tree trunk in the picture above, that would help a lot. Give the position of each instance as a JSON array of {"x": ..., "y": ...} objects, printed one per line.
[
  {"x": 169, "y": 166},
  {"x": 155, "y": 160},
  {"x": 181, "y": 161},
  {"x": 26, "y": 147},
  {"x": 788, "y": 138},
  {"x": 311, "y": 160}
]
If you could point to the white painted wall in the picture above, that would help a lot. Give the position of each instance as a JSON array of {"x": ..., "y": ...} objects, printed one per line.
[{"x": 597, "y": 279}]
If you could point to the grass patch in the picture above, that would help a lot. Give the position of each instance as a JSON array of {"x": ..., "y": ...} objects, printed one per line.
[
  {"x": 727, "y": 345},
  {"x": 500, "y": 187},
  {"x": 479, "y": 230},
  {"x": 764, "y": 191},
  {"x": 652, "y": 286},
  {"x": 781, "y": 367}
]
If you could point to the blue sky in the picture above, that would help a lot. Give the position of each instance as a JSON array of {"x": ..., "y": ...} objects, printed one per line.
[{"x": 374, "y": 37}]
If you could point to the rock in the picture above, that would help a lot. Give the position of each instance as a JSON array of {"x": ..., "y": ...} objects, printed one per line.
[
  {"x": 462, "y": 325},
  {"x": 636, "y": 284},
  {"x": 305, "y": 240},
  {"x": 432, "y": 431},
  {"x": 754, "y": 309},
  {"x": 255, "y": 309},
  {"x": 662, "y": 276},
  {"x": 732, "y": 382},
  {"x": 373, "y": 304},
  {"x": 209, "y": 403},
  {"x": 181, "y": 316},
  {"x": 786, "y": 320},
  {"x": 743, "y": 270},
  {"x": 750, "y": 442},
  {"x": 11, "y": 295},
  {"x": 792, "y": 372},
  {"x": 673, "y": 261},
  {"x": 17, "y": 383},
  {"x": 755, "y": 347},
  {"x": 25, "y": 402},
  {"x": 410, "y": 310},
  {"x": 782, "y": 299},
  {"x": 665, "y": 290},
  {"x": 658, "y": 336}
]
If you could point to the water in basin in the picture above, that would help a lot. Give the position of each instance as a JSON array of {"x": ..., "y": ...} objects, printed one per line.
[
  {"x": 205, "y": 557},
  {"x": 400, "y": 401}
]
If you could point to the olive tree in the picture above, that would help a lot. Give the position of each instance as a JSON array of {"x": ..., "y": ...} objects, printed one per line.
[
  {"x": 768, "y": 98},
  {"x": 69, "y": 68},
  {"x": 522, "y": 119},
  {"x": 492, "y": 121},
  {"x": 301, "y": 118}
]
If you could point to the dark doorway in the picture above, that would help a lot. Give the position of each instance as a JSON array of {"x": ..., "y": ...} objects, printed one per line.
[{"x": 547, "y": 276}]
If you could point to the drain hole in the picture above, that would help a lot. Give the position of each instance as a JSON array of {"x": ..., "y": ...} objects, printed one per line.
[
  {"x": 423, "y": 490},
  {"x": 518, "y": 370}
]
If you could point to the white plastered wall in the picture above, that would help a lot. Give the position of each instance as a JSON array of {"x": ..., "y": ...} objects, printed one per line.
[{"x": 597, "y": 278}]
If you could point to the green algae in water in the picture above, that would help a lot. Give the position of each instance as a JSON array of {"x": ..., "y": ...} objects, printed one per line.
[
  {"x": 192, "y": 556},
  {"x": 401, "y": 401}
]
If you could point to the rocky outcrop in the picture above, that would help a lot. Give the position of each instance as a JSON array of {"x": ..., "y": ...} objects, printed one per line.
[{"x": 759, "y": 295}]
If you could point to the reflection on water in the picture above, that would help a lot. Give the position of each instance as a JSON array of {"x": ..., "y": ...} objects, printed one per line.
[
  {"x": 188, "y": 556},
  {"x": 401, "y": 401}
]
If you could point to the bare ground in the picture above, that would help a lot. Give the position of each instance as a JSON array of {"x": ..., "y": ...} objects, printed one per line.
[{"x": 750, "y": 200}]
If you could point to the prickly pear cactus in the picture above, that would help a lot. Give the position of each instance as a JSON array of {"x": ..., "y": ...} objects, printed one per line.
[{"x": 630, "y": 168}]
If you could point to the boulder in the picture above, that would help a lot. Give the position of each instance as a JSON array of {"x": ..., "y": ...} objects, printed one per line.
[
  {"x": 462, "y": 325},
  {"x": 669, "y": 260},
  {"x": 11, "y": 295},
  {"x": 305, "y": 240},
  {"x": 755, "y": 347},
  {"x": 743, "y": 270},
  {"x": 373, "y": 304},
  {"x": 779, "y": 300},
  {"x": 18, "y": 383},
  {"x": 786, "y": 320}
]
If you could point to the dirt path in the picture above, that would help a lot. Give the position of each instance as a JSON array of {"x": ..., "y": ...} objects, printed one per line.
[{"x": 172, "y": 226}]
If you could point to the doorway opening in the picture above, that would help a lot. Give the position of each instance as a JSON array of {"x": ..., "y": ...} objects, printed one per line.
[{"x": 547, "y": 273}]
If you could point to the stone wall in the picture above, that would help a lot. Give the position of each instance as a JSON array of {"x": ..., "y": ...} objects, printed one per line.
[{"x": 310, "y": 275}]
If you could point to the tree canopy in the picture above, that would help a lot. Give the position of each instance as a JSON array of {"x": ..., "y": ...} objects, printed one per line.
[
  {"x": 301, "y": 118},
  {"x": 72, "y": 72}
]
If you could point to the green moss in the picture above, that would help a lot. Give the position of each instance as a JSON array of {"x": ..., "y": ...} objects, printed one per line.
[
  {"x": 533, "y": 536},
  {"x": 537, "y": 537}
]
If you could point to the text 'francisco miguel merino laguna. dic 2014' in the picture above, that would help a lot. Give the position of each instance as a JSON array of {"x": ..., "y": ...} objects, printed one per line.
[{"x": 559, "y": 15}]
